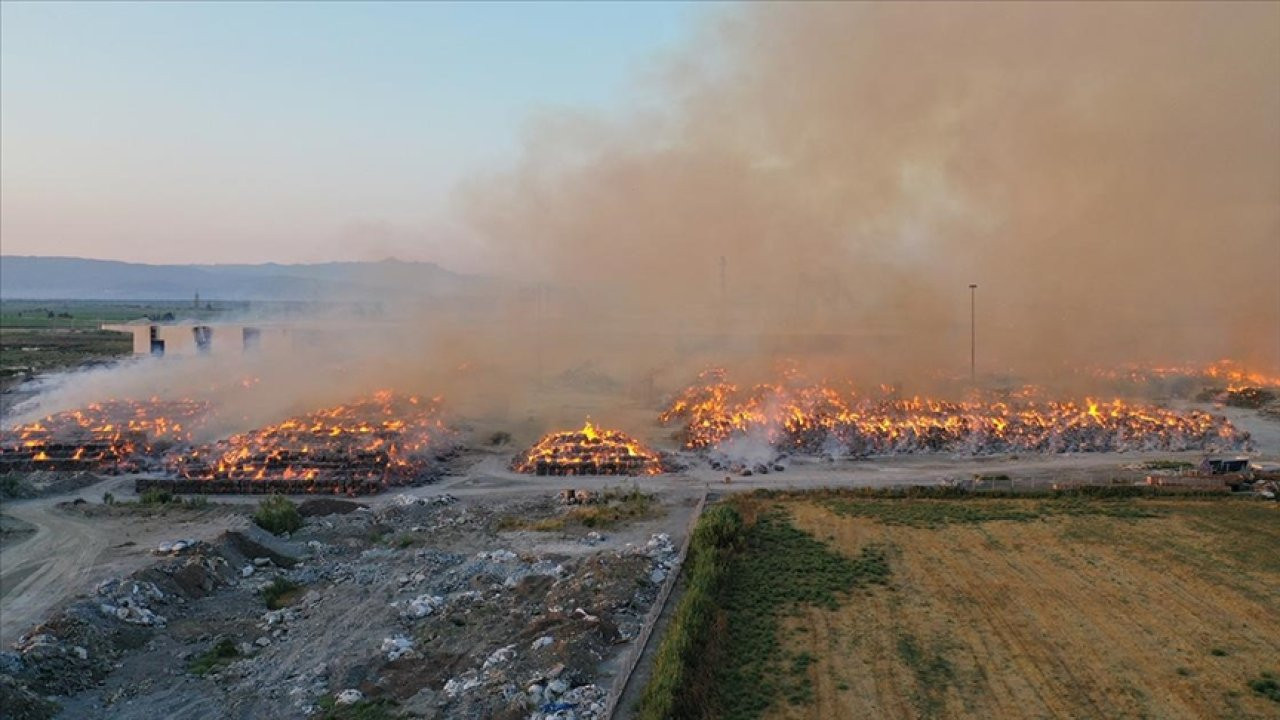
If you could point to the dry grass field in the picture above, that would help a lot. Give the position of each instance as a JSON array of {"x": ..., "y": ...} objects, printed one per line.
[{"x": 1138, "y": 608}]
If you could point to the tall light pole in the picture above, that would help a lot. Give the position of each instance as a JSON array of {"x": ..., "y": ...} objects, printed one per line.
[{"x": 973, "y": 333}]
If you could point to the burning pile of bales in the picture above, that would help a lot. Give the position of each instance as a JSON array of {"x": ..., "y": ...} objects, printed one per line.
[
  {"x": 589, "y": 451},
  {"x": 819, "y": 419},
  {"x": 110, "y": 436},
  {"x": 358, "y": 448}
]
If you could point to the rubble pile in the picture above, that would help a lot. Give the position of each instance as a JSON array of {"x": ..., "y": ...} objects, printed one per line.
[
  {"x": 797, "y": 416},
  {"x": 570, "y": 614},
  {"x": 84, "y": 642},
  {"x": 420, "y": 602},
  {"x": 589, "y": 451}
]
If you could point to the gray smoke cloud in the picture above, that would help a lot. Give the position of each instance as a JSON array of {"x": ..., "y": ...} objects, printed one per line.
[{"x": 1108, "y": 174}]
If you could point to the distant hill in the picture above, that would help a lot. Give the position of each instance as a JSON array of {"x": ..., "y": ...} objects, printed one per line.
[{"x": 42, "y": 278}]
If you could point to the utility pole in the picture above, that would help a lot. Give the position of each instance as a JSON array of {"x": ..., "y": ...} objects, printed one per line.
[{"x": 973, "y": 333}]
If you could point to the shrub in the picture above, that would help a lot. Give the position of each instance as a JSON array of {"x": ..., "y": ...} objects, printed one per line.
[
  {"x": 222, "y": 652},
  {"x": 108, "y": 499},
  {"x": 404, "y": 540},
  {"x": 278, "y": 515},
  {"x": 1267, "y": 686},
  {"x": 156, "y": 496},
  {"x": 614, "y": 506},
  {"x": 280, "y": 593}
]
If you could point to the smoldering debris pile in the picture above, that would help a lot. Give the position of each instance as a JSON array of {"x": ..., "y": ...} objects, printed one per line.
[
  {"x": 1253, "y": 398},
  {"x": 362, "y": 447},
  {"x": 812, "y": 418},
  {"x": 589, "y": 451},
  {"x": 112, "y": 436}
]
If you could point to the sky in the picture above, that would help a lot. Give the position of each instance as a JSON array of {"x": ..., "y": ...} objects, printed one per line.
[{"x": 289, "y": 132}]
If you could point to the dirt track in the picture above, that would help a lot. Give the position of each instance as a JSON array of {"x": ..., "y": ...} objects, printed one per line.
[{"x": 69, "y": 553}]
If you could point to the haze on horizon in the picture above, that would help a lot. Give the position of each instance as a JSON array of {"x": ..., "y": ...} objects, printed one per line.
[{"x": 287, "y": 132}]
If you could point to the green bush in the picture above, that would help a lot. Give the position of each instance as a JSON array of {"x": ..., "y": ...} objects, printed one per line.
[
  {"x": 278, "y": 515},
  {"x": 280, "y": 593},
  {"x": 156, "y": 496},
  {"x": 1267, "y": 686},
  {"x": 404, "y": 540},
  {"x": 222, "y": 652}
]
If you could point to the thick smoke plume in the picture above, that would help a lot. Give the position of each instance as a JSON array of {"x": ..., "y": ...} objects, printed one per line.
[
  {"x": 820, "y": 183},
  {"x": 1109, "y": 175}
]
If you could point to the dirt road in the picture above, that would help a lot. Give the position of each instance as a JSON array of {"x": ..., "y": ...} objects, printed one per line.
[{"x": 69, "y": 553}]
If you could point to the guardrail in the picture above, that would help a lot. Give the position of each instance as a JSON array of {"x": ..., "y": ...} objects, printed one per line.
[{"x": 655, "y": 612}]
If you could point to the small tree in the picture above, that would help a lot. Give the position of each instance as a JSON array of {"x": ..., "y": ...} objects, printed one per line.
[{"x": 278, "y": 515}]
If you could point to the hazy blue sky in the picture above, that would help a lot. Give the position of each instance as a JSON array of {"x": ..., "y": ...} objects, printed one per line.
[{"x": 225, "y": 132}]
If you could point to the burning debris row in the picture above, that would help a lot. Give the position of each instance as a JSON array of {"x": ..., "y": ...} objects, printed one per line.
[
  {"x": 110, "y": 436},
  {"x": 589, "y": 451},
  {"x": 357, "y": 448},
  {"x": 1223, "y": 382},
  {"x": 813, "y": 418},
  {"x": 1223, "y": 375}
]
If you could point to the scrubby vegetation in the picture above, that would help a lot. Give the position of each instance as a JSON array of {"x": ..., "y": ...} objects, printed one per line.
[
  {"x": 938, "y": 492},
  {"x": 937, "y": 513},
  {"x": 933, "y": 673},
  {"x": 156, "y": 497},
  {"x": 780, "y": 570},
  {"x": 1267, "y": 685},
  {"x": 723, "y": 654},
  {"x": 281, "y": 593},
  {"x": 678, "y": 686},
  {"x": 1167, "y": 465},
  {"x": 278, "y": 515},
  {"x": 928, "y": 506},
  {"x": 612, "y": 507},
  {"x": 222, "y": 652}
]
